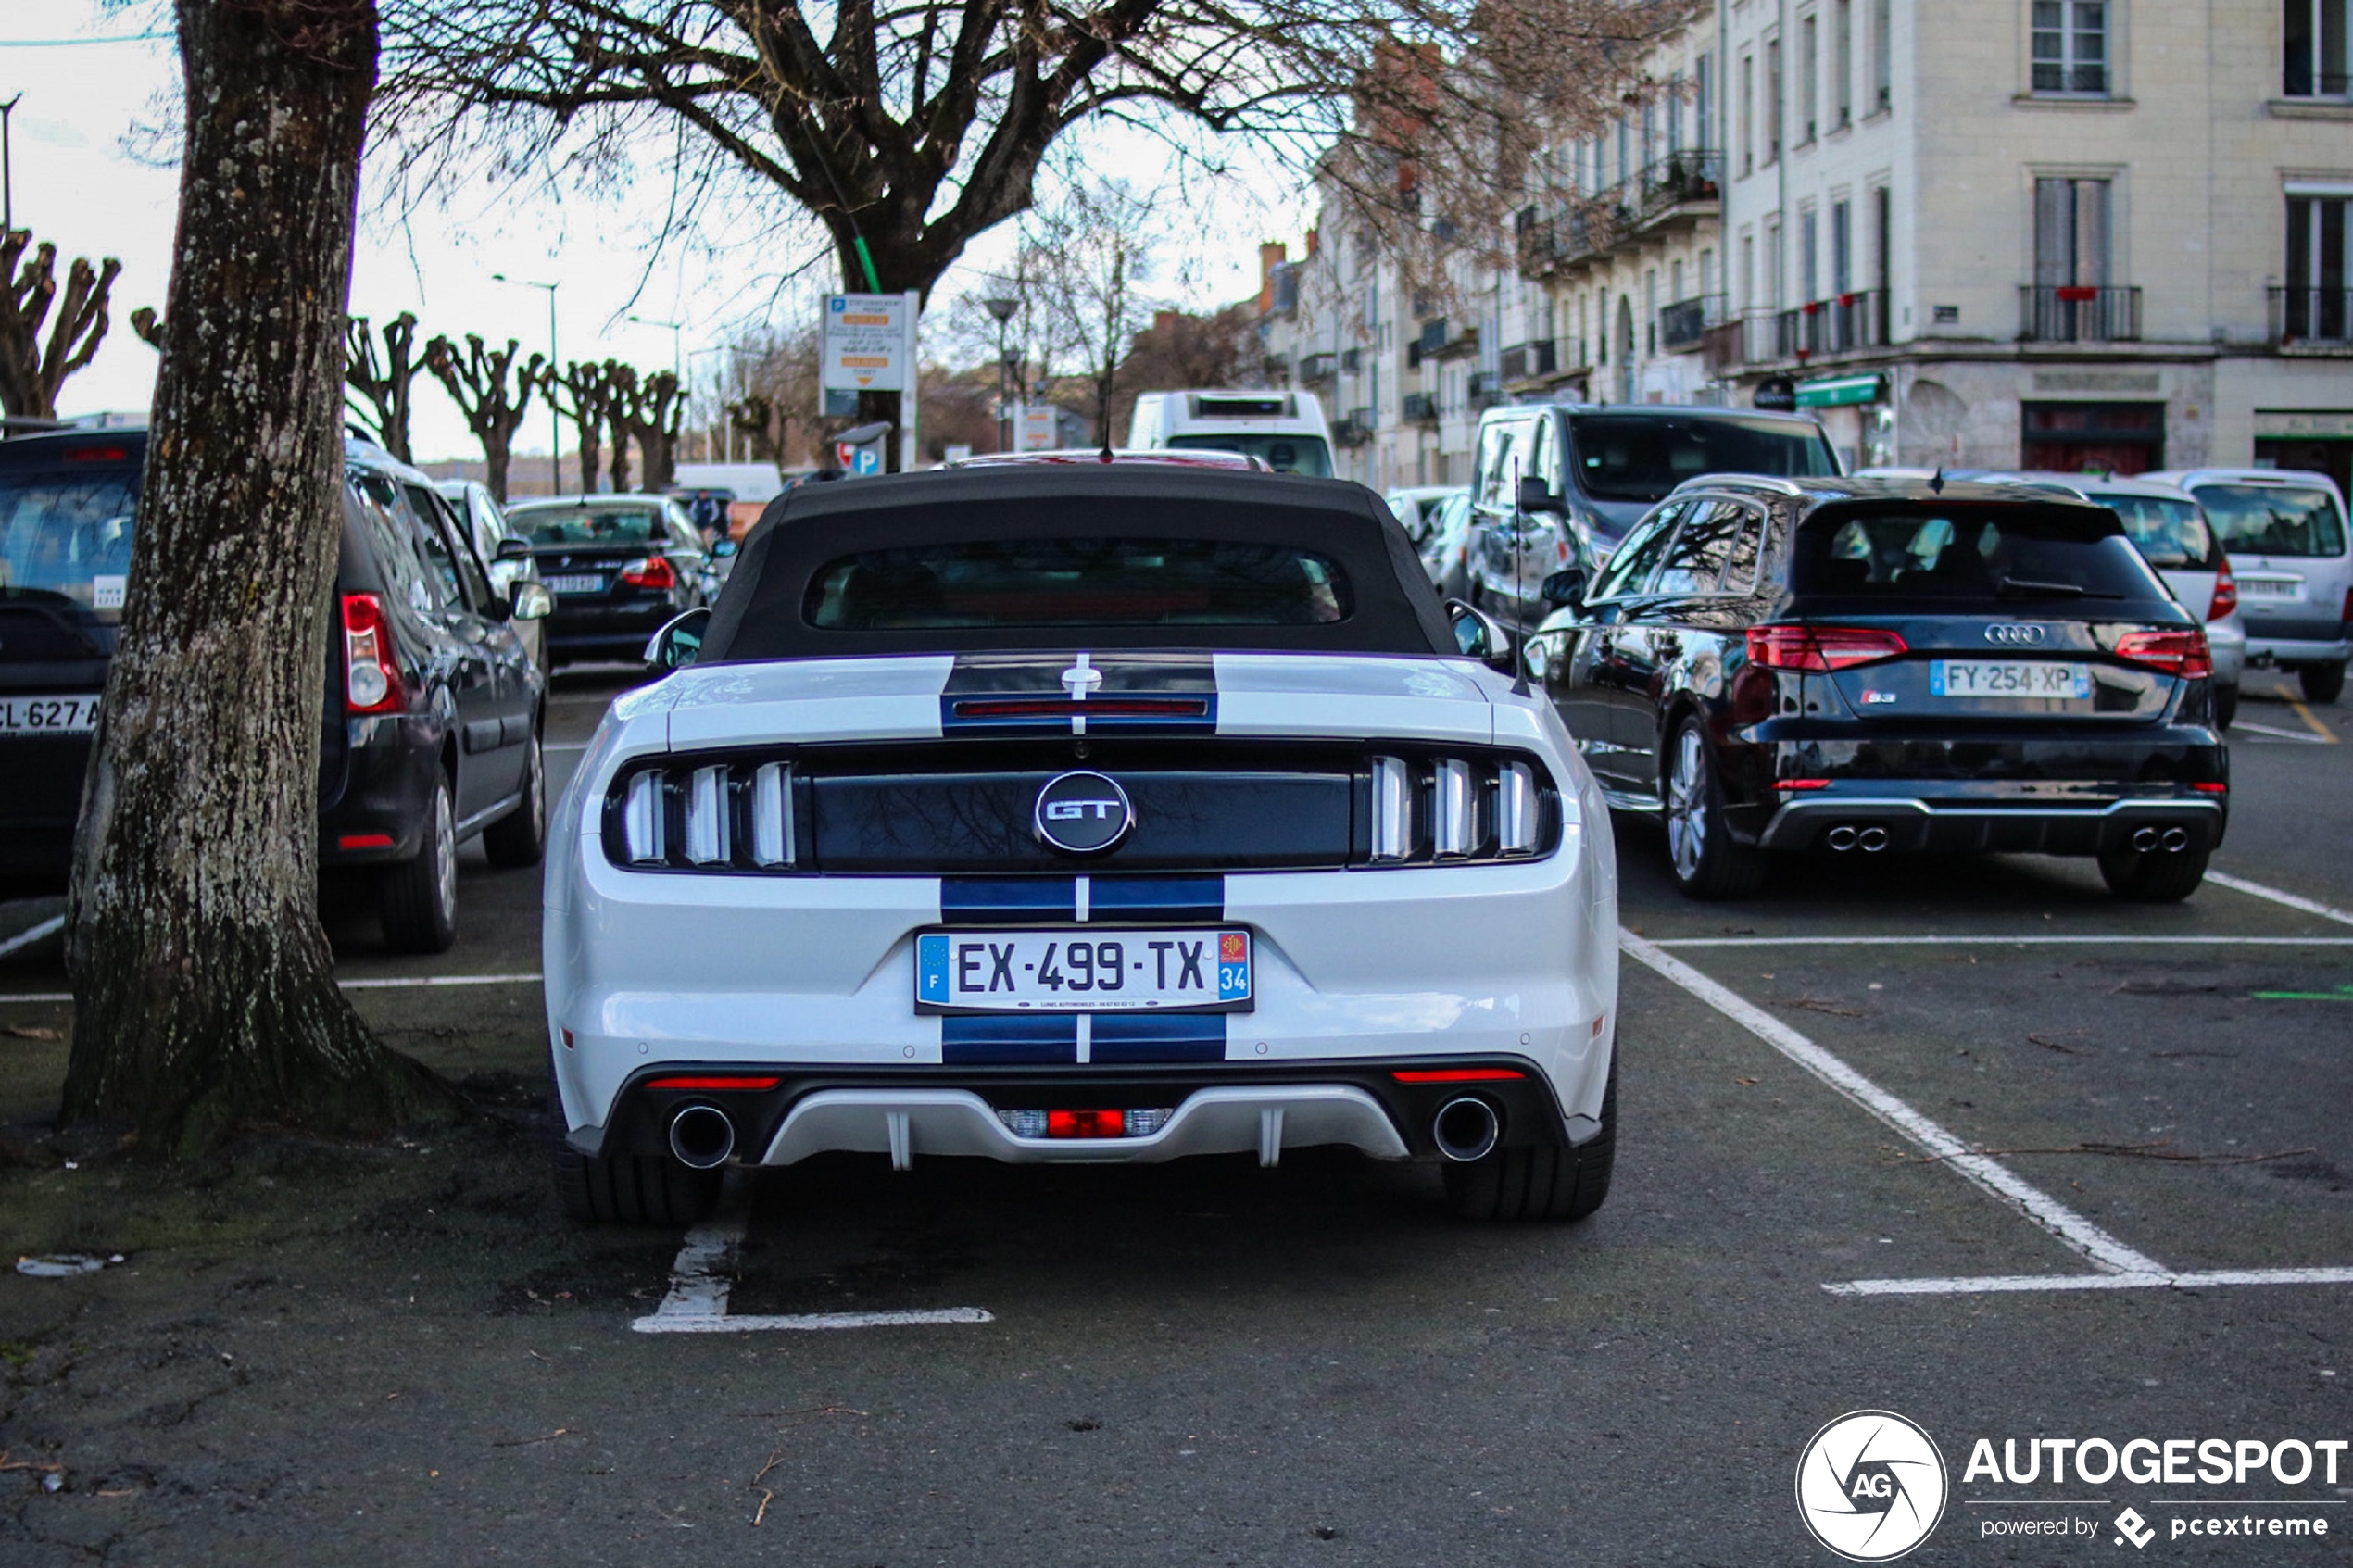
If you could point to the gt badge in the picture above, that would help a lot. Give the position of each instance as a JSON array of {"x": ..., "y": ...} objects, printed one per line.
[{"x": 1082, "y": 814}]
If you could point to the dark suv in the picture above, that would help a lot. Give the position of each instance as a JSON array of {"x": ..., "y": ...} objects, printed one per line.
[
  {"x": 430, "y": 709},
  {"x": 1859, "y": 666}
]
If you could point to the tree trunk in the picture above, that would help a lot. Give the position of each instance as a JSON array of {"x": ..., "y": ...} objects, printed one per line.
[
  {"x": 205, "y": 996},
  {"x": 497, "y": 447}
]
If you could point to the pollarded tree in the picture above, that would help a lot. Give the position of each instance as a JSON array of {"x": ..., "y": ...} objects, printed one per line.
[
  {"x": 204, "y": 999},
  {"x": 583, "y": 394},
  {"x": 478, "y": 382},
  {"x": 31, "y": 370},
  {"x": 651, "y": 413},
  {"x": 382, "y": 382}
]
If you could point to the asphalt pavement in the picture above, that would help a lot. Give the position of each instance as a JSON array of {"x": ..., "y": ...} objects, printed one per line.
[{"x": 1965, "y": 1140}]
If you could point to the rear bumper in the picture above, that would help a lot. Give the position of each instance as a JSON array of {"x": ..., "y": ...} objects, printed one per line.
[
  {"x": 1978, "y": 822},
  {"x": 389, "y": 771},
  {"x": 2262, "y": 650},
  {"x": 580, "y": 629}
]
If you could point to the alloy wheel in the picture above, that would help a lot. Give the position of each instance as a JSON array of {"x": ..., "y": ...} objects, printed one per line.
[
  {"x": 1687, "y": 803},
  {"x": 445, "y": 855}
]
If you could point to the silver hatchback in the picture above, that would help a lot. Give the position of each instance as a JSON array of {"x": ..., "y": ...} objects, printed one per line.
[{"x": 2285, "y": 533}]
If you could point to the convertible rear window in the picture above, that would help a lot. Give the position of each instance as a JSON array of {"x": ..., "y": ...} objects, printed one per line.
[
  {"x": 2274, "y": 520},
  {"x": 1057, "y": 583},
  {"x": 1959, "y": 555}
]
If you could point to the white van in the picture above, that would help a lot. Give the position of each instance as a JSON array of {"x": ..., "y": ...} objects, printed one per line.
[{"x": 1286, "y": 429}]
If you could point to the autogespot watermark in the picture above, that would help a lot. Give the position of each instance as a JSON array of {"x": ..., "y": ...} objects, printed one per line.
[{"x": 1872, "y": 1485}]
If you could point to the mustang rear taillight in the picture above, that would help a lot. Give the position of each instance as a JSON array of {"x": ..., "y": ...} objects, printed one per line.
[
  {"x": 371, "y": 681},
  {"x": 720, "y": 814},
  {"x": 2182, "y": 654},
  {"x": 2226, "y": 593},
  {"x": 1459, "y": 809},
  {"x": 654, "y": 571},
  {"x": 1820, "y": 648}
]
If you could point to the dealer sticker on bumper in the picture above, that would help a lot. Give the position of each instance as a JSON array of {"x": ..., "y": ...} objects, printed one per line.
[{"x": 1073, "y": 970}]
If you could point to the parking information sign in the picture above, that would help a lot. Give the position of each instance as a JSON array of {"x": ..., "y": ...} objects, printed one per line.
[{"x": 867, "y": 343}]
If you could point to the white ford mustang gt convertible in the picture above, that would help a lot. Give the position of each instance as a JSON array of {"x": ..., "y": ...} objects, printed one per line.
[{"x": 1082, "y": 814}]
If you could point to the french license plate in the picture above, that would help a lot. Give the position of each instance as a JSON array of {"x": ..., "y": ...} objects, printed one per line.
[
  {"x": 2271, "y": 588},
  {"x": 1077, "y": 970},
  {"x": 581, "y": 582},
  {"x": 48, "y": 715},
  {"x": 2007, "y": 677}
]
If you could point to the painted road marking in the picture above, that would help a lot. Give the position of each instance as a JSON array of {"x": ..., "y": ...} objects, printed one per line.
[
  {"x": 699, "y": 1284},
  {"x": 2102, "y": 1249},
  {"x": 2031, "y": 939},
  {"x": 30, "y": 934},
  {"x": 389, "y": 982},
  {"x": 2298, "y": 735},
  {"x": 2292, "y": 900},
  {"x": 2318, "y": 728},
  {"x": 2003, "y": 1284}
]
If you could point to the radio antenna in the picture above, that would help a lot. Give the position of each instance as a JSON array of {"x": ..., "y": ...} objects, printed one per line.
[{"x": 1519, "y": 543}]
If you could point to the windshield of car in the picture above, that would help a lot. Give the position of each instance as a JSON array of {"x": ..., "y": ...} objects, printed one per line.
[
  {"x": 589, "y": 525},
  {"x": 2172, "y": 534},
  {"x": 1284, "y": 454},
  {"x": 1643, "y": 457},
  {"x": 1966, "y": 555},
  {"x": 68, "y": 536},
  {"x": 1049, "y": 584},
  {"x": 2274, "y": 520}
]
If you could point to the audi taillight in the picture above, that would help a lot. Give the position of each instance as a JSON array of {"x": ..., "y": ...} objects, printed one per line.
[
  {"x": 654, "y": 571},
  {"x": 371, "y": 680},
  {"x": 2182, "y": 654},
  {"x": 2226, "y": 593},
  {"x": 1820, "y": 648}
]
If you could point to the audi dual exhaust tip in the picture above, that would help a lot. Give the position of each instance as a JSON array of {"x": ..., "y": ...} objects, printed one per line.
[
  {"x": 1870, "y": 840},
  {"x": 2151, "y": 840},
  {"x": 701, "y": 1136},
  {"x": 1466, "y": 1129}
]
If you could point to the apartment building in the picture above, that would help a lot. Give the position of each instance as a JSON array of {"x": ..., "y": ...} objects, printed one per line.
[{"x": 1973, "y": 234}]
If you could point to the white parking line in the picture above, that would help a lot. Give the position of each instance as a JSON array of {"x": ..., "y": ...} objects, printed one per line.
[
  {"x": 2303, "y": 735},
  {"x": 752, "y": 1322},
  {"x": 2025, "y": 939},
  {"x": 32, "y": 934},
  {"x": 2292, "y": 900},
  {"x": 2102, "y": 1249},
  {"x": 2004, "y": 1283}
]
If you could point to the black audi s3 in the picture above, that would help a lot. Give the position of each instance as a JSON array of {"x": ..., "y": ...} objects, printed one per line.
[{"x": 1860, "y": 666}]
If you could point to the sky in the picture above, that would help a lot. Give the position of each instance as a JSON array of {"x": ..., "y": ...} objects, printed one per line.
[{"x": 85, "y": 177}]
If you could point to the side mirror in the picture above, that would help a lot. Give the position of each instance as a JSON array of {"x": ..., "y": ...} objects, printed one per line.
[
  {"x": 679, "y": 643},
  {"x": 1564, "y": 588},
  {"x": 723, "y": 549},
  {"x": 1535, "y": 496},
  {"x": 1481, "y": 636},
  {"x": 512, "y": 549},
  {"x": 531, "y": 601}
]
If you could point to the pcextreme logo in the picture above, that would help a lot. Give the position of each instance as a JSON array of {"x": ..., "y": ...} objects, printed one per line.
[{"x": 1872, "y": 1485}]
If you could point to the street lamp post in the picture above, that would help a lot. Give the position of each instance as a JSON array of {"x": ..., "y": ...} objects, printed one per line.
[
  {"x": 677, "y": 360},
  {"x": 1002, "y": 308},
  {"x": 555, "y": 419},
  {"x": 8, "y": 169}
]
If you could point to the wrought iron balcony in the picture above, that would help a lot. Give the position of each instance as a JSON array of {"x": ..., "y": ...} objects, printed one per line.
[
  {"x": 1316, "y": 369},
  {"x": 1419, "y": 408},
  {"x": 1683, "y": 324},
  {"x": 1524, "y": 362},
  {"x": 2079, "y": 313}
]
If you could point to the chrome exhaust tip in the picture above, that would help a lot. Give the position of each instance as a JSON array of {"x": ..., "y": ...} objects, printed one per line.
[
  {"x": 1841, "y": 838},
  {"x": 701, "y": 1136},
  {"x": 1871, "y": 840},
  {"x": 1466, "y": 1129},
  {"x": 2175, "y": 840},
  {"x": 2145, "y": 839}
]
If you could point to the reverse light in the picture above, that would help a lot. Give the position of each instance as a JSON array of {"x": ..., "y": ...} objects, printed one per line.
[
  {"x": 1393, "y": 810},
  {"x": 1821, "y": 648},
  {"x": 654, "y": 571},
  {"x": 371, "y": 680},
  {"x": 2180, "y": 654},
  {"x": 2226, "y": 593}
]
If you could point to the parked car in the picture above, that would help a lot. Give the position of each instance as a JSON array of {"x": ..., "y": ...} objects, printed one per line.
[
  {"x": 1601, "y": 468},
  {"x": 1204, "y": 457},
  {"x": 2285, "y": 533},
  {"x": 1444, "y": 546},
  {"x": 1864, "y": 666},
  {"x": 1286, "y": 429},
  {"x": 432, "y": 711},
  {"x": 1085, "y": 813},
  {"x": 503, "y": 551},
  {"x": 2170, "y": 530},
  {"x": 1413, "y": 505},
  {"x": 619, "y": 566}
]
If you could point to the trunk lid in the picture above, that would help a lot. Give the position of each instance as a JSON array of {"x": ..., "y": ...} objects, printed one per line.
[{"x": 1974, "y": 667}]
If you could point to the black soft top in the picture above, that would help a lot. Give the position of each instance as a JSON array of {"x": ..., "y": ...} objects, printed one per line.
[{"x": 759, "y": 614}]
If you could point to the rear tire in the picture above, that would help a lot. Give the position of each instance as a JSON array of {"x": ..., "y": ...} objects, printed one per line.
[
  {"x": 1706, "y": 864},
  {"x": 2322, "y": 682},
  {"x": 2226, "y": 706},
  {"x": 1552, "y": 1182},
  {"x": 634, "y": 1189},
  {"x": 2156, "y": 878},
  {"x": 417, "y": 903},
  {"x": 520, "y": 838}
]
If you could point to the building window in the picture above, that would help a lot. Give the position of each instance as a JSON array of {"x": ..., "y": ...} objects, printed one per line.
[
  {"x": 1882, "y": 55},
  {"x": 1748, "y": 114},
  {"x": 2316, "y": 52},
  {"x": 1842, "y": 250},
  {"x": 1883, "y": 237},
  {"x": 1843, "y": 62},
  {"x": 2071, "y": 232},
  {"x": 1772, "y": 99},
  {"x": 1774, "y": 276},
  {"x": 2071, "y": 45},
  {"x": 1704, "y": 102},
  {"x": 1707, "y": 273},
  {"x": 1674, "y": 107},
  {"x": 1810, "y": 76},
  {"x": 1807, "y": 237},
  {"x": 2116, "y": 438},
  {"x": 1748, "y": 272},
  {"x": 2317, "y": 294}
]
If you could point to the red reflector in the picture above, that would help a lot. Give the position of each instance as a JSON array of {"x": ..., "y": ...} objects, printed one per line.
[
  {"x": 712, "y": 1081},
  {"x": 2211, "y": 788},
  {"x": 1085, "y": 1123},
  {"x": 98, "y": 455},
  {"x": 654, "y": 571},
  {"x": 2176, "y": 653},
  {"x": 1101, "y": 708},
  {"x": 1455, "y": 1075},
  {"x": 1803, "y": 784},
  {"x": 567, "y": 1039},
  {"x": 1820, "y": 648},
  {"x": 364, "y": 841}
]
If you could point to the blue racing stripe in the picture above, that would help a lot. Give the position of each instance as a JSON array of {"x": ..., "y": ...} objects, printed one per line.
[
  {"x": 999, "y": 1039},
  {"x": 1159, "y": 1036},
  {"x": 966, "y": 900},
  {"x": 1156, "y": 899}
]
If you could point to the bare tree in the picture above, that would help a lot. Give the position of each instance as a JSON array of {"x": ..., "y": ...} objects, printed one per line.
[
  {"x": 477, "y": 381},
  {"x": 583, "y": 394},
  {"x": 652, "y": 415},
  {"x": 620, "y": 399},
  {"x": 31, "y": 370},
  {"x": 205, "y": 997},
  {"x": 382, "y": 382},
  {"x": 1089, "y": 257},
  {"x": 753, "y": 417},
  {"x": 147, "y": 327}
]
